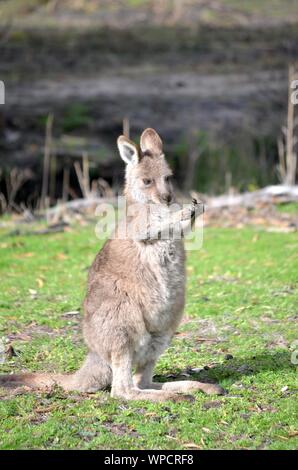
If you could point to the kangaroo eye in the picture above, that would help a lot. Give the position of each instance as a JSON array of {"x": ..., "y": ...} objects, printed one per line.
[
  {"x": 147, "y": 181},
  {"x": 168, "y": 178}
]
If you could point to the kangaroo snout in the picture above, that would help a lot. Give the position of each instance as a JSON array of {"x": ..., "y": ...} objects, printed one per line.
[{"x": 167, "y": 198}]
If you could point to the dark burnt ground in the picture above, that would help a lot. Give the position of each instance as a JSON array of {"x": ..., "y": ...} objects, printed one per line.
[{"x": 225, "y": 81}]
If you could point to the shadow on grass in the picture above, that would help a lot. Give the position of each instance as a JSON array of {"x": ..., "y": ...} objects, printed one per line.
[{"x": 234, "y": 369}]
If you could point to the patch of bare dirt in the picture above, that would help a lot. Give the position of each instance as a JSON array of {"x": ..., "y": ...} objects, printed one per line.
[{"x": 120, "y": 429}]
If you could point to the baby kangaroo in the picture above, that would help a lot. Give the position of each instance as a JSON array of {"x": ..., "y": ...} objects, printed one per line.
[{"x": 136, "y": 286}]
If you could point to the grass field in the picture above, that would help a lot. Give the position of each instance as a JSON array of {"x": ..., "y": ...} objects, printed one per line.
[{"x": 240, "y": 322}]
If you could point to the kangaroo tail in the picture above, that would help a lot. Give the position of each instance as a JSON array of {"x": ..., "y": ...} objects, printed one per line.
[
  {"x": 94, "y": 375},
  {"x": 36, "y": 381}
]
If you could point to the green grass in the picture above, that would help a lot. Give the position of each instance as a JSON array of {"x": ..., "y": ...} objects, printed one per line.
[
  {"x": 288, "y": 208},
  {"x": 241, "y": 300}
]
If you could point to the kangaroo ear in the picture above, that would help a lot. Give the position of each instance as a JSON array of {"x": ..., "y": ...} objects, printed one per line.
[
  {"x": 128, "y": 150},
  {"x": 150, "y": 141}
]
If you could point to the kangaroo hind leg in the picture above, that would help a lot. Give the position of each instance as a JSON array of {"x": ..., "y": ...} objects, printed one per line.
[
  {"x": 143, "y": 379},
  {"x": 123, "y": 385},
  {"x": 95, "y": 374}
]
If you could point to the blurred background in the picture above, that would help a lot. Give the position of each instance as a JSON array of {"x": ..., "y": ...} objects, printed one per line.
[{"x": 212, "y": 77}]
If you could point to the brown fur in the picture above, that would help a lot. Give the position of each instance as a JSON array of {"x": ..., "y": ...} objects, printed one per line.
[{"x": 135, "y": 294}]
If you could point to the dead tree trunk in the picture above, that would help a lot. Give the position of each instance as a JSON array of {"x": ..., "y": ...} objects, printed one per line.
[
  {"x": 46, "y": 161},
  {"x": 192, "y": 160},
  {"x": 286, "y": 145},
  {"x": 126, "y": 127}
]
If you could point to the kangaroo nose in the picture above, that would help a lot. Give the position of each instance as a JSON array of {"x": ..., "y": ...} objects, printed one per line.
[{"x": 166, "y": 197}]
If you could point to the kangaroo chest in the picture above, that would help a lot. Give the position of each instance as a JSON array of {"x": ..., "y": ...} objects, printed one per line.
[{"x": 163, "y": 278}]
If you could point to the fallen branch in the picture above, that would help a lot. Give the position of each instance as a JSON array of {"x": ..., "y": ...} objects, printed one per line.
[
  {"x": 270, "y": 194},
  {"x": 79, "y": 204}
]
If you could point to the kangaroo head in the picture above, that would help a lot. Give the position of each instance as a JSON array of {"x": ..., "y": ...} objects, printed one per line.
[{"x": 148, "y": 176}]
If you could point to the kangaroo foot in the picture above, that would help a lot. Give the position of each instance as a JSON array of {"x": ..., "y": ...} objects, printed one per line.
[
  {"x": 151, "y": 395},
  {"x": 187, "y": 386},
  {"x": 210, "y": 389}
]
